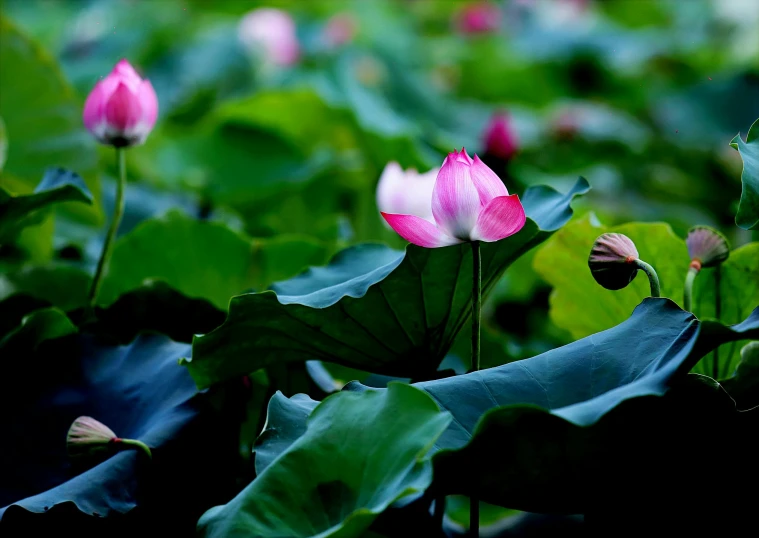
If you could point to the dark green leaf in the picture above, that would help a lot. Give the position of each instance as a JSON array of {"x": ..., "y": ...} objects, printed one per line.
[
  {"x": 371, "y": 308},
  {"x": 748, "y": 210},
  {"x": 204, "y": 260},
  {"x": 359, "y": 454},
  {"x": 743, "y": 386},
  {"x": 43, "y": 118},
  {"x": 62, "y": 286},
  {"x": 57, "y": 185},
  {"x": 35, "y": 328}
]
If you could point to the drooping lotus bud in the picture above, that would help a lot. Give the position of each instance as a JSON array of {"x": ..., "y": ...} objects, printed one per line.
[
  {"x": 87, "y": 436},
  {"x": 500, "y": 138},
  {"x": 90, "y": 437},
  {"x": 478, "y": 18},
  {"x": 121, "y": 109},
  {"x": 271, "y": 31},
  {"x": 706, "y": 247},
  {"x": 612, "y": 261}
]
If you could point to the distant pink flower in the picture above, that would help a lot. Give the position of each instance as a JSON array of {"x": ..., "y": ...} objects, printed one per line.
[
  {"x": 406, "y": 191},
  {"x": 500, "y": 137},
  {"x": 122, "y": 108},
  {"x": 340, "y": 29},
  {"x": 273, "y": 32},
  {"x": 469, "y": 203},
  {"x": 478, "y": 18}
]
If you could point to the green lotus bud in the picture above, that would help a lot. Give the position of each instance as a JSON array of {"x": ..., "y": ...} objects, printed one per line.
[
  {"x": 90, "y": 437},
  {"x": 706, "y": 247},
  {"x": 750, "y": 352},
  {"x": 612, "y": 261}
]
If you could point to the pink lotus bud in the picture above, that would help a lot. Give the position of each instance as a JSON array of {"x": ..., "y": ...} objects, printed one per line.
[
  {"x": 706, "y": 247},
  {"x": 271, "y": 31},
  {"x": 406, "y": 191},
  {"x": 122, "y": 108},
  {"x": 340, "y": 29},
  {"x": 87, "y": 436},
  {"x": 500, "y": 138},
  {"x": 478, "y": 18},
  {"x": 612, "y": 261},
  {"x": 469, "y": 203}
]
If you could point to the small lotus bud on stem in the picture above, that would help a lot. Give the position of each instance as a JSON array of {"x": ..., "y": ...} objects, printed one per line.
[
  {"x": 706, "y": 248},
  {"x": 89, "y": 437},
  {"x": 614, "y": 263}
]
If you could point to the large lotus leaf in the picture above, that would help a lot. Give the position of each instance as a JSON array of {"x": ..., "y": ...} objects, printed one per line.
[
  {"x": 140, "y": 393},
  {"x": 547, "y": 406},
  {"x": 205, "y": 260},
  {"x": 748, "y": 210},
  {"x": 42, "y": 116},
  {"x": 582, "y": 307},
  {"x": 57, "y": 185},
  {"x": 360, "y": 453},
  {"x": 372, "y": 308}
]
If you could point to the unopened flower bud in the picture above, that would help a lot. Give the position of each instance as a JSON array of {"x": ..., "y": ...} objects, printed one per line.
[
  {"x": 87, "y": 437},
  {"x": 612, "y": 261},
  {"x": 706, "y": 247}
]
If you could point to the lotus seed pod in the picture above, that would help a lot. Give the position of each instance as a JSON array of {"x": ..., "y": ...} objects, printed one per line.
[
  {"x": 612, "y": 261},
  {"x": 706, "y": 246}
]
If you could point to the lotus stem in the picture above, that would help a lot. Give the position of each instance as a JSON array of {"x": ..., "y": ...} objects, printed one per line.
[
  {"x": 653, "y": 278},
  {"x": 133, "y": 443},
  {"x": 694, "y": 269},
  {"x": 474, "y": 504},
  {"x": 718, "y": 315},
  {"x": 118, "y": 212}
]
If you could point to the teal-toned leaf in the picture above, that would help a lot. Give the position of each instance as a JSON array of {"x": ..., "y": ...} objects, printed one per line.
[
  {"x": 360, "y": 453},
  {"x": 371, "y": 308},
  {"x": 139, "y": 392},
  {"x": 542, "y": 400},
  {"x": 204, "y": 260},
  {"x": 43, "y": 119},
  {"x": 285, "y": 423},
  {"x": 58, "y": 185},
  {"x": 748, "y": 210},
  {"x": 35, "y": 328}
]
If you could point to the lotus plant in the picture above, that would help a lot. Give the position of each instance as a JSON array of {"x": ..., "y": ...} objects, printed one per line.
[
  {"x": 469, "y": 203},
  {"x": 408, "y": 192},
  {"x": 120, "y": 111},
  {"x": 614, "y": 263}
]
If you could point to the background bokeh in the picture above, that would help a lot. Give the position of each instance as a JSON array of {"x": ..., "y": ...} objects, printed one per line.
[{"x": 641, "y": 97}]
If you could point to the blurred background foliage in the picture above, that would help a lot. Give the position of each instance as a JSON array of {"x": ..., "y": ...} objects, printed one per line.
[{"x": 639, "y": 96}]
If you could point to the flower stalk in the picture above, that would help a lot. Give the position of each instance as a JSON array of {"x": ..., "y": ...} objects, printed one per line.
[
  {"x": 653, "y": 278},
  {"x": 474, "y": 504},
  {"x": 690, "y": 277},
  {"x": 118, "y": 212}
]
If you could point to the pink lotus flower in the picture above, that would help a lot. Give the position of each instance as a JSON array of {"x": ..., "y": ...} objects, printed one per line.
[
  {"x": 340, "y": 29},
  {"x": 122, "y": 108},
  {"x": 469, "y": 203},
  {"x": 272, "y": 31},
  {"x": 406, "y": 191},
  {"x": 478, "y": 18},
  {"x": 500, "y": 138}
]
